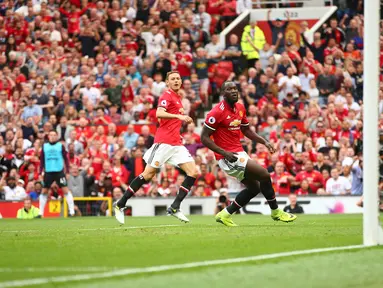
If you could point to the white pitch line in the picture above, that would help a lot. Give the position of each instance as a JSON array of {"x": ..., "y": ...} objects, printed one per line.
[
  {"x": 92, "y": 229},
  {"x": 57, "y": 269},
  {"x": 131, "y": 271}
]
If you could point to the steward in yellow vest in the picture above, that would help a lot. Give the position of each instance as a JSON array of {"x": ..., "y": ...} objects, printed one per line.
[{"x": 252, "y": 41}]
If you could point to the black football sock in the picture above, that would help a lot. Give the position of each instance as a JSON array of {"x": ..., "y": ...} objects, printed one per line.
[
  {"x": 242, "y": 199},
  {"x": 269, "y": 193},
  {"x": 133, "y": 187},
  {"x": 183, "y": 192}
]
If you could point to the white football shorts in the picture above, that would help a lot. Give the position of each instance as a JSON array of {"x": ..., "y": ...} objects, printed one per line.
[
  {"x": 161, "y": 153},
  {"x": 235, "y": 169}
]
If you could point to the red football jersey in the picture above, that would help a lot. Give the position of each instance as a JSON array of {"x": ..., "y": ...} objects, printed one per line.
[
  {"x": 312, "y": 177},
  {"x": 281, "y": 183},
  {"x": 226, "y": 123},
  {"x": 184, "y": 69},
  {"x": 169, "y": 130}
]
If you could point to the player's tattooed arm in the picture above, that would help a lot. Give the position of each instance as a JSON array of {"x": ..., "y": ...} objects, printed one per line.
[
  {"x": 246, "y": 130},
  {"x": 206, "y": 140},
  {"x": 162, "y": 114}
]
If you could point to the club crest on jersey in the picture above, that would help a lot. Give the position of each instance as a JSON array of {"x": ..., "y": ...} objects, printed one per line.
[
  {"x": 240, "y": 113},
  {"x": 157, "y": 163}
]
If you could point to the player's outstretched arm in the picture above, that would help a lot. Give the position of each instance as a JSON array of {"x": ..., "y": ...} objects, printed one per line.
[
  {"x": 162, "y": 114},
  {"x": 206, "y": 140},
  {"x": 255, "y": 137}
]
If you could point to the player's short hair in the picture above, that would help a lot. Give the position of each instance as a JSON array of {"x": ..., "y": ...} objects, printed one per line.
[
  {"x": 223, "y": 87},
  {"x": 170, "y": 73},
  {"x": 52, "y": 130}
]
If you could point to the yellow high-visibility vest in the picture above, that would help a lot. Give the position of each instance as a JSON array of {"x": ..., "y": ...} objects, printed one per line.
[
  {"x": 257, "y": 38},
  {"x": 32, "y": 213}
]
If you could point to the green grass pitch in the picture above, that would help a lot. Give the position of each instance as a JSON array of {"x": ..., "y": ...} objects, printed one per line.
[{"x": 50, "y": 248}]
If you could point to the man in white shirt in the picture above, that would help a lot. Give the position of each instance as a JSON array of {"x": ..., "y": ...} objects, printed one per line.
[
  {"x": 289, "y": 84},
  {"x": 93, "y": 93},
  {"x": 351, "y": 104},
  {"x": 305, "y": 78},
  {"x": 337, "y": 185},
  {"x": 202, "y": 19},
  {"x": 24, "y": 9},
  {"x": 154, "y": 41},
  {"x": 55, "y": 34},
  {"x": 158, "y": 85},
  {"x": 214, "y": 48},
  {"x": 13, "y": 192},
  {"x": 243, "y": 5}
]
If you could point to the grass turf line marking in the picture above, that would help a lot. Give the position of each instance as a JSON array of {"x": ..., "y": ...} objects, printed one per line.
[
  {"x": 131, "y": 271},
  {"x": 93, "y": 229},
  {"x": 57, "y": 269}
]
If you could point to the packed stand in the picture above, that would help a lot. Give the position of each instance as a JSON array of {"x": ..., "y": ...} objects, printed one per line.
[{"x": 87, "y": 68}]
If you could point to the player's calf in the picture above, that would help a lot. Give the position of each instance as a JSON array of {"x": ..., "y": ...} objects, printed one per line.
[{"x": 183, "y": 192}]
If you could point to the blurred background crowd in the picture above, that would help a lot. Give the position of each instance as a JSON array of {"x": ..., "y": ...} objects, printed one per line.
[{"x": 94, "y": 70}]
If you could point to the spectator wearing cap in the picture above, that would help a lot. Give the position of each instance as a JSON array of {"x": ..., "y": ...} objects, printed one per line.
[
  {"x": 11, "y": 190},
  {"x": 278, "y": 27}
]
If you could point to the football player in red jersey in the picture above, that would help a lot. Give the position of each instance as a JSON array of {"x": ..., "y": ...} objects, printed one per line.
[
  {"x": 225, "y": 122},
  {"x": 167, "y": 148}
]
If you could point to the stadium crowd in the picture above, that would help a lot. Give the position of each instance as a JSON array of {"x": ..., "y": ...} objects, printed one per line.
[{"x": 93, "y": 71}]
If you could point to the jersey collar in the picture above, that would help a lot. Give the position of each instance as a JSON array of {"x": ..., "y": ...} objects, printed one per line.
[{"x": 234, "y": 109}]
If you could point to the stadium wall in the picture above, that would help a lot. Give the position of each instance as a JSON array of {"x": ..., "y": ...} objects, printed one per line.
[
  {"x": 315, "y": 17},
  {"x": 206, "y": 206}
]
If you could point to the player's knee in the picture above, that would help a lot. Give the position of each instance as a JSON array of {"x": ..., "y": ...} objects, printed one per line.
[
  {"x": 193, "y": 173},
  {"x": 148, "y": 174}
]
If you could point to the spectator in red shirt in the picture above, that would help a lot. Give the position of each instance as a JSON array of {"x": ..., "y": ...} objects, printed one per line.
[
  {"x": 73, "y": 17},
  {"x": 190, "y": 130},
  {"x": 281, "y": 179},
  {"x": 101, "y": 118},
  {"x": 314, "y": 178},
  {"x": 208, "y": 177},
  {"x": 227, "y": 9},
  {"x": 119, "y": 172},
  {"x": 184, "y": 61},
  {"x": 305, "y": 188}
]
